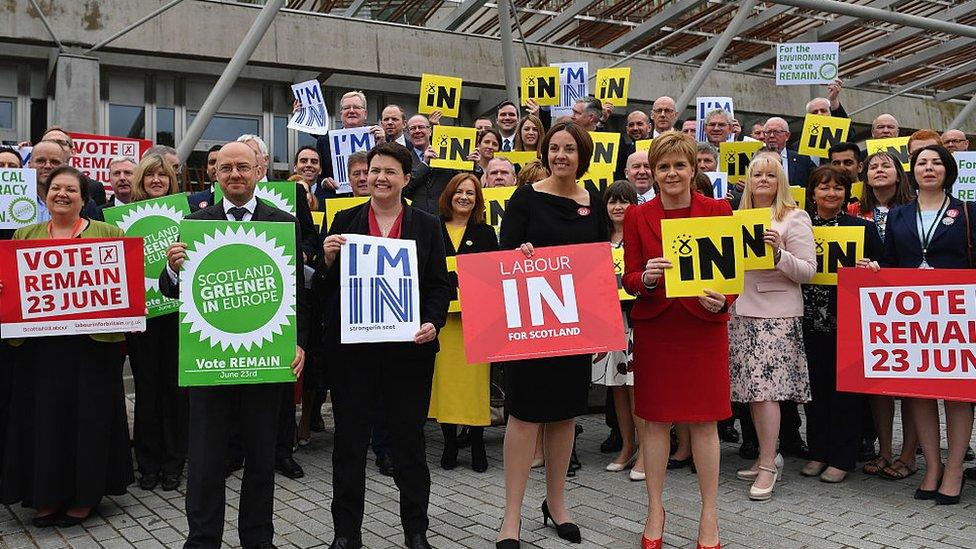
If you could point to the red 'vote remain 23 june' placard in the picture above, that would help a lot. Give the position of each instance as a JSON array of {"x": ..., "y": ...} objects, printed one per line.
[
  {"x": 71, "y": 286},
  {"x": 562, "y": 301},
  {"x": 907, "y": 332}
]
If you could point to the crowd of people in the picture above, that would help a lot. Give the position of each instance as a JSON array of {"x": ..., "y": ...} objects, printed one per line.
[{"x": 693, "y": 366}]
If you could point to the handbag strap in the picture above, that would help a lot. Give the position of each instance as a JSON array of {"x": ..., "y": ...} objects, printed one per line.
[{"x": 969, "y": 235}]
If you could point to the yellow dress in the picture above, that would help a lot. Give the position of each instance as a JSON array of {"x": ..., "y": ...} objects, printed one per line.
[{"x": 460, "y": 393}]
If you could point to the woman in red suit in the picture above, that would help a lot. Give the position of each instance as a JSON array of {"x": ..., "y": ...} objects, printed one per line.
[{"x": 681, "y": 345}]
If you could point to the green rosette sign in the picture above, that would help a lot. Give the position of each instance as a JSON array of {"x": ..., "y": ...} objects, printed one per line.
[
  {"x": 237, "y": 303},
  {"x": 280, "y": 194},
  {"x": 157, "y": 221}
]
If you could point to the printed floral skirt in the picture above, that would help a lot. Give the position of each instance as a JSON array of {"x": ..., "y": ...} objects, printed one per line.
[{"x": 767, "y": 361}]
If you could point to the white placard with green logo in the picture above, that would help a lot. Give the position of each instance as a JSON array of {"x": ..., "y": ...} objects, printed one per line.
[
  {"x": 237, "y": 303},
  {"x": 157, "y": 221},
  {"x": 280, "y": 194},
  {"x": 807, "y": 63},
  {"x": 18, "y": 197}
]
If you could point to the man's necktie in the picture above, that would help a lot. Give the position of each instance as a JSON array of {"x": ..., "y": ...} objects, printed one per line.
[
  {"x": 506, "y": 144},
  {"x": 238, "y": 213}
]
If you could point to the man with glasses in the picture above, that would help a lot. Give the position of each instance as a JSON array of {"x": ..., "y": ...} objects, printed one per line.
[
  {"x": 96, "y": 189},
  {"x": 352, "y": 114},
  {"x": 718, "y": 125},
  {"x": 955, "y": 140},
  {"x": 776, "y": 134},
  {"x": 664, "y": 114},
  {"x": 216, "y": 412}
]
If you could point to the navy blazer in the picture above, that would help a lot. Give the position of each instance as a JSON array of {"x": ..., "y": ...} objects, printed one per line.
[
  {"x": 800, "y": 168},
  {"x": 948, "y": 247},
  {"x": 435, "y": 289}
]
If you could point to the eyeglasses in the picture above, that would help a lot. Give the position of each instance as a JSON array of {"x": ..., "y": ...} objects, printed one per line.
[
  {"x": 352, "y": 108},
  {"x": 417, "y": 128},
  {"x": 662, "y": 111},
  {"x": 773, "y": 132},
  {"x": 242, "y": 169},
  {"x": 46, "y": 161},
  {"x": 955, "y": 141}
]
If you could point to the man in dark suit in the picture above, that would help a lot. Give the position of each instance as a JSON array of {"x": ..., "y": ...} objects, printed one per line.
[
  {"x": 352, "y": 114},
  {"x": 204, "y": 198},
  {"x": 253, "y": 409},
  {"x": 776, "y": 133},
  {"x": 121, "y": 170}
]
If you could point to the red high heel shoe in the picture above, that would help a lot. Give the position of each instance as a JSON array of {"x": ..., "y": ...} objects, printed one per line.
[
  {"x": 717, "y": 546},
  {"x": 657, "y": 543}
]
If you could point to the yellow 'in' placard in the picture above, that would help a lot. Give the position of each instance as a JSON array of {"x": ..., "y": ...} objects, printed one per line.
[
  {"x": 606, "y": 146},
  {"x": 541, "y": 84},
  {"x": 440, "y": 93},
  {"x": 597, "y": 178},
  {"x": 820, "y": 133},
  {"x": 613, "y": 85},
  {"x": 836, "y": 247},
  {"x": 643, "y": 144},
  {"x": 705, "y": 253},
  {"x": 895, "y": 146},
  {"x": 496, "y": 199},
  {"x": 453, "y": 145},
  {"x": 618, "y": 269},
  {"x": 799, "y": 196},
  {"x": 756, "y": 254},
  {"x": 734, "y": 158},
  {"x": 518, "y": 158}
]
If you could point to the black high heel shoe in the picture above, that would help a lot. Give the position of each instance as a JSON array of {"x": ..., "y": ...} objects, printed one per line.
[
  {"x": 510, "y": 543},
  {"x": 942, "y": 499},
  {"x": 927, "y": 495},
  {"x": 567, "y": 530}
]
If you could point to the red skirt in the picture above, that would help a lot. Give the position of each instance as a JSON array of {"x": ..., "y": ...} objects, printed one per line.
[{"x": 681, "y": 368}]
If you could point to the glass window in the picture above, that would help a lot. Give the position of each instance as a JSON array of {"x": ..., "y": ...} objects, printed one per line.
[
  {"x": 225, "y": 128},
  {"x": 7, "y": 114},
  {"x": 165, "y": 126},
  {"x": 126, "y": 121},
  {"x": 280, "y": 139},
  {"x": 306, "y": 139}
]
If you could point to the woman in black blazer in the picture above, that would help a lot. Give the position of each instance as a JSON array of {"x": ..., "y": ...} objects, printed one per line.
[
  {"x": 942, "y": 243},
  {"x": 398, "y": 373},
  {"x": 461, "y": 391},
  {"x": 833, "y": 418}
]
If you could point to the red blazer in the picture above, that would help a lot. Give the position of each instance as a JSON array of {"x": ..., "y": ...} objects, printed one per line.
[{"x": 642, "y": 241}]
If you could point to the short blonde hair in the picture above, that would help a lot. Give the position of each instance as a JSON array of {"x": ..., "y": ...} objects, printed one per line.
[
  {"x": 783, "y": 203},
  {"x": 149, "y": 163}
]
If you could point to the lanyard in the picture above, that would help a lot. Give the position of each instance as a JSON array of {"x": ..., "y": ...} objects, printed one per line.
[
  {"x": 927, "y": 233},
  {"x": 75, "y": 231}
]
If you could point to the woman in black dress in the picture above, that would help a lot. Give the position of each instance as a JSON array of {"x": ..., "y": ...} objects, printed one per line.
[
  {"x": 548, "y": 391},
  {"x": 68, "y": 437}
]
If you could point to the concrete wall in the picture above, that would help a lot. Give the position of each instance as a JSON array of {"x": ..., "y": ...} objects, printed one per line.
[{"x": 205, "y": 30}]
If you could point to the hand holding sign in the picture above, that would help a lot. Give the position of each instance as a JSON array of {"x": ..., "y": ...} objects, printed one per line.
[
  {"x": 175, "y": 256},
  {"x": 712, "y": 302},
  {"x": 654, "y": 270},
  {"x": 333, "y": 243}
]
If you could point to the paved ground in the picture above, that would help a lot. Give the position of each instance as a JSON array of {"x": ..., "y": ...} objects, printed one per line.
[{"x": 466, "y": 508}]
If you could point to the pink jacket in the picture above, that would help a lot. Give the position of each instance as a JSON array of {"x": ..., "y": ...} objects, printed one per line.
[{"x": 775, "y": 293}]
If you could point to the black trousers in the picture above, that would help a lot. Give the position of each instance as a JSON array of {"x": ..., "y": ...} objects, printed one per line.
[
  {"x": 6, "y": 382},
  {"x": 161, "y": 419},
  {"x": 253, "y": 410},
  {"x": 833, "y": 417},
  {"x": 286, "y": 423},
  {"x": 403, "y": 383}
]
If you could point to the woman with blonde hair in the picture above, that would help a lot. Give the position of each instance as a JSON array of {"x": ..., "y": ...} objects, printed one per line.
[
  {"x": 767, "y": 362},
  {"x": 161, "y": 421}
]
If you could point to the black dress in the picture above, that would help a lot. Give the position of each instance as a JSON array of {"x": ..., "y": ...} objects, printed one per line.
[
  {"x": 67, "y": 436},
  {"x": 542, "y": 390}
]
